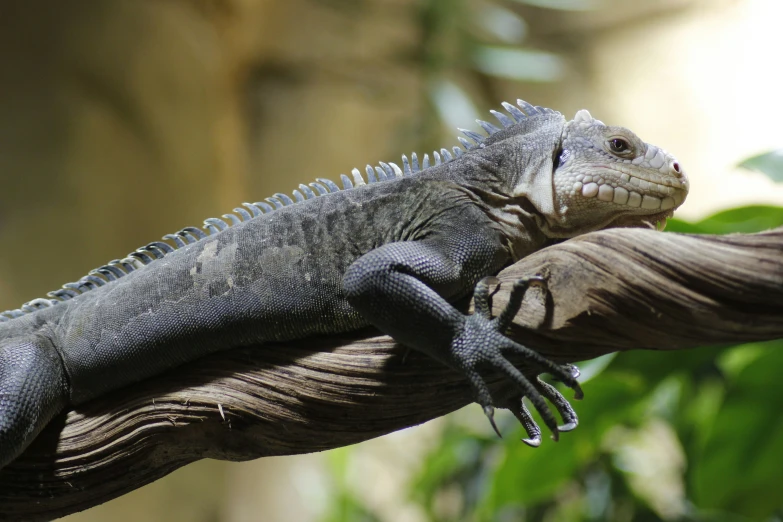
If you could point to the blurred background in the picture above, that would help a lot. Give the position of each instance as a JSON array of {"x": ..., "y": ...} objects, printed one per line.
[{"x": 123, "y": 120}]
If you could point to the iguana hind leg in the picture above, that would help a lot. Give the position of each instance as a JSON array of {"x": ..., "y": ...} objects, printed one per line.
[{"x": 33, "y": 389}]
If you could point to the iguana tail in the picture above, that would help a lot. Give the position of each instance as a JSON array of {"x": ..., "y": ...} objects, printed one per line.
[{"x": 30, "y": 371}]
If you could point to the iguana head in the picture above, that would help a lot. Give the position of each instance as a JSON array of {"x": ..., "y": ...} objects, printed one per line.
[
  {"x": 579, "y": 175},
  {"x": 606, "y": 176}
]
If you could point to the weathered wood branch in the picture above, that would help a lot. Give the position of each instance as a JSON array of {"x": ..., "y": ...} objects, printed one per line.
[{"x": 608, "y": 291}]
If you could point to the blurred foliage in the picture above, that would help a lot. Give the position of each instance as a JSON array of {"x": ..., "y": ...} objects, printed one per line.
[
  {"x": 345, "y": 504},
  {"x": 769, "y": 163},
  {"x": 572, "y": 5},
  {"x": 484, "y": 36},
  {"x": 687, "y": 435},
  {"x": 465, "y": 43}
]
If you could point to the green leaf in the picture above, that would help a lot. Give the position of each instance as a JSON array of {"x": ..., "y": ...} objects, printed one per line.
[
  {"x": 682, "y": 227},
  {"x": 745, "y": 440},
  {"x": 754, "y": 218},
  {"x": 744, "y": 219},
  {"x": 769, "y": 163}
]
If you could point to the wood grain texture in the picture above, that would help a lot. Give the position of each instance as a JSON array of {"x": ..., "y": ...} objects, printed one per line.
[{"x": 608, "y": 291}]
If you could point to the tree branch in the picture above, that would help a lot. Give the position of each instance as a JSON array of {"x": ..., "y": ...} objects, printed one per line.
[{"x": 608, "y": 291}]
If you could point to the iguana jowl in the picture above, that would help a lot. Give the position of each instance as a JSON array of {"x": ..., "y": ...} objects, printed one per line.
[{"x": 393, "y": 249}]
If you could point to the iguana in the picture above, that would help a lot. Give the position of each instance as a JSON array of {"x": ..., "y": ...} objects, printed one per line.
[{"x": 394, "y": 249}]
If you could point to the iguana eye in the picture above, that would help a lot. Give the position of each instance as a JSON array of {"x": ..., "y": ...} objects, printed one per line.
[{"x": 619, "y": 145}]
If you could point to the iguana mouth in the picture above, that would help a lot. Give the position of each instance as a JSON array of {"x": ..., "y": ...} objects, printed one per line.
[
  {"x": 656, "y": 221},
  {"x": 634, "y": 188}
]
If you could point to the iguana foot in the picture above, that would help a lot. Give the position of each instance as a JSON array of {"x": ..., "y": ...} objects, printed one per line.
[{"x": 483, "y": 344}]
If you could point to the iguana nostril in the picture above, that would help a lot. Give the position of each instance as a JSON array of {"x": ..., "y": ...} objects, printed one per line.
[{"x": 676, "y": 167}]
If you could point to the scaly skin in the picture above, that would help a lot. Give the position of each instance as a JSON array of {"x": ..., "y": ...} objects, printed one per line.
[{"x": 394, "y": 253}]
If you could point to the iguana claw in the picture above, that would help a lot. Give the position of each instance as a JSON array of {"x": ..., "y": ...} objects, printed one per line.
[
  {"x": 568, "y": 427},
  {"x": 533, "y": 431},
  {"x": 489, "y": 411}
]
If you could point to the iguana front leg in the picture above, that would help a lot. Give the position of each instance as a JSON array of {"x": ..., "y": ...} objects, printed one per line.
[{"x": 402, "y": 288}]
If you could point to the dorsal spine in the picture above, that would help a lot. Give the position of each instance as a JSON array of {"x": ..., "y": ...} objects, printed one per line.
[{"x": 147, "y": 254}]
